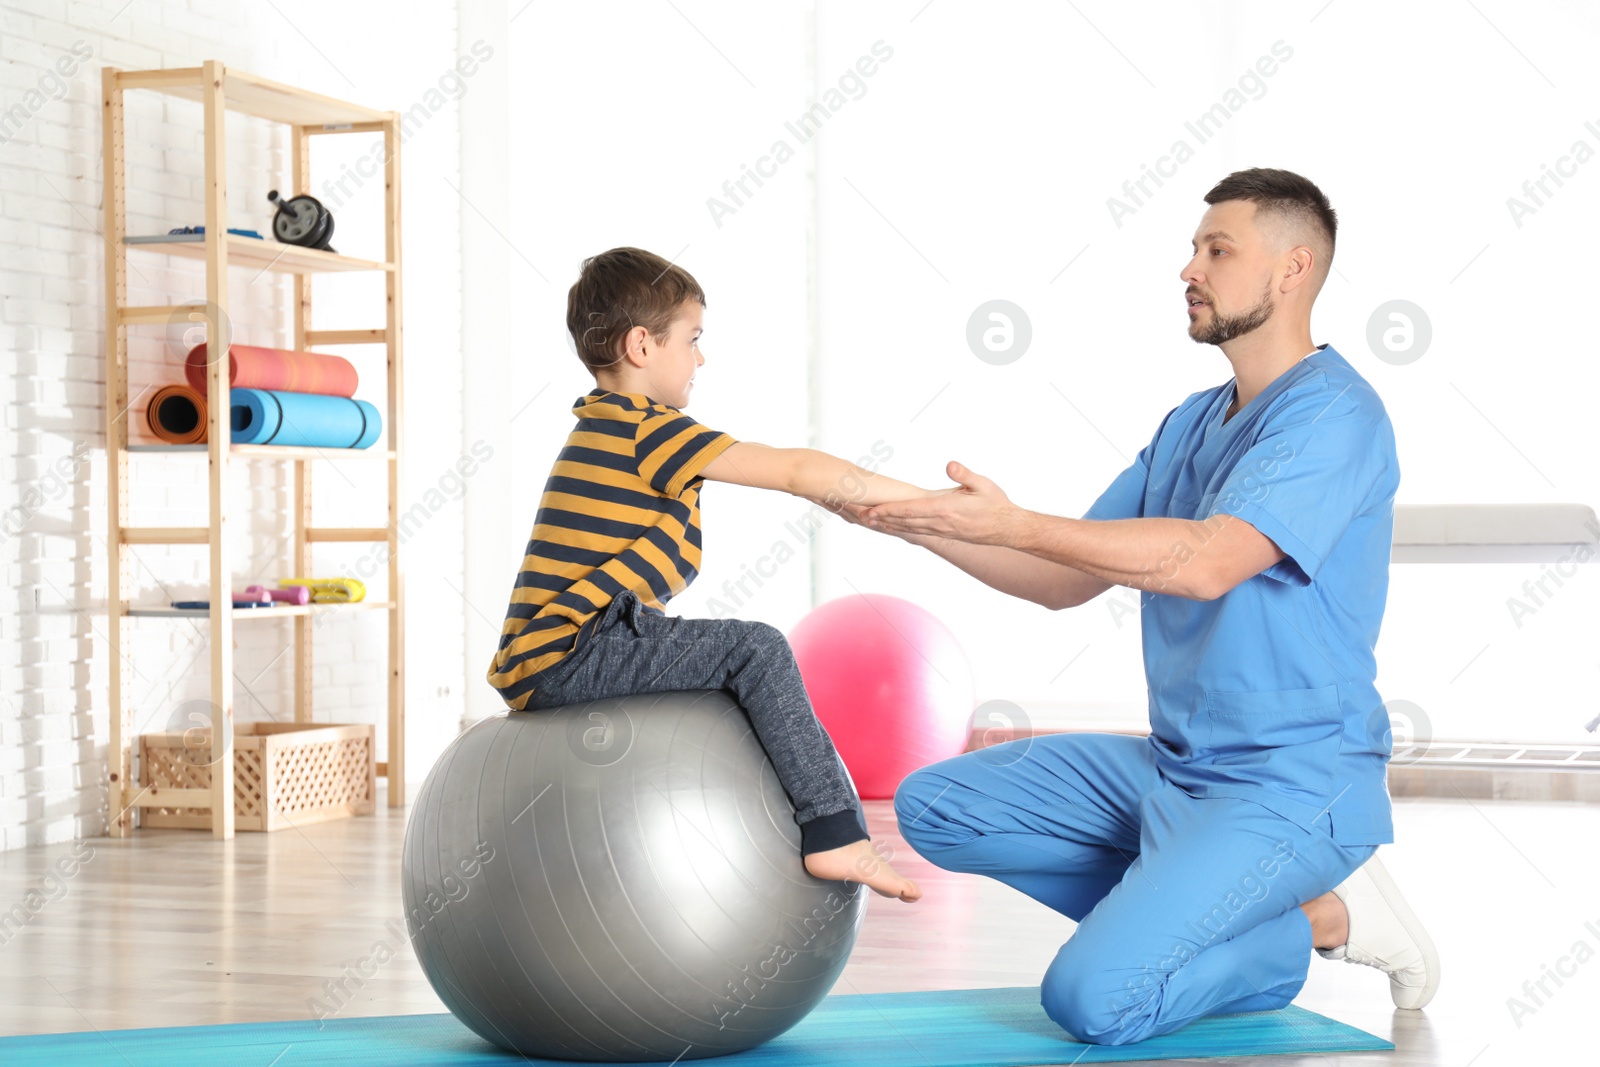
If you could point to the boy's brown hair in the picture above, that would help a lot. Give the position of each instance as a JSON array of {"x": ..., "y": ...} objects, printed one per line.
[{"x": 621, "y": 289}]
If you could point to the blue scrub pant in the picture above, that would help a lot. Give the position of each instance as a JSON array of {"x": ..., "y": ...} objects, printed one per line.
[{"x": 1185, "y": 906}]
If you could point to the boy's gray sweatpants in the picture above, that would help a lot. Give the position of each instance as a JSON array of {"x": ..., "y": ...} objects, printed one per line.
[{"x": 628, "y": 648}]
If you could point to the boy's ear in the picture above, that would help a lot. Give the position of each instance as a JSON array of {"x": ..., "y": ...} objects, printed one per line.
[{"x": 633, "y": 345}]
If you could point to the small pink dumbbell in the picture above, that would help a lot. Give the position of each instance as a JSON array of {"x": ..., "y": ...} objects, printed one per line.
[{"x": 289, "y": 594}]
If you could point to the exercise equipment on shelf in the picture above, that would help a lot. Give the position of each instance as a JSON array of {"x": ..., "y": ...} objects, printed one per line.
[
  {"x": 330, "y": 590},
  {"x": 289, "y": 594},
  {"x": 177, "y": 414},
  {"x": 337, "y": 590},
  {"x": 182, "y": 230},
  {"x": 267, "y": 417},
  {"x": 253, "y": 597},
  {"x": 183, "y": 235},
  {"x": 302, "y": 220},
  {"x": 254, "y": 367}
]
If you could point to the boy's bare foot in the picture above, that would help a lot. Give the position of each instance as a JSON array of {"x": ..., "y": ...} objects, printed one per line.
[{"x": 858, "y": 862}]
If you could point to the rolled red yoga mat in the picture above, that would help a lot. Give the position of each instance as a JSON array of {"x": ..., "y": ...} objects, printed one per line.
[
  {"x": 250, "y": 367},
  {"x": 177, "y": 414}
]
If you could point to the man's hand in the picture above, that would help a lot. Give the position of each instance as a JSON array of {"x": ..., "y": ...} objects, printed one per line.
[
  {"x": 976, "y": 511},
  {"x": 1016, "y": 573}
]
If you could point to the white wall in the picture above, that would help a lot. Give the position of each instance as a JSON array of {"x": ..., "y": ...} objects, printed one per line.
[
  {"x": 979, "y": 166},
  {"x": 621, "y": 138},
  {"x": 490, "y": 324},
  {"x": 53, "y": 647}
]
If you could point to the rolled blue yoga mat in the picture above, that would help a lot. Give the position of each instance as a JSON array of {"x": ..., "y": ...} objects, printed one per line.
[{"x": 269, "y": 417}]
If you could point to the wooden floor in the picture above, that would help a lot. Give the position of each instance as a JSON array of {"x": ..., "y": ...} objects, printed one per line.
[{"x": 172, "y": 929}]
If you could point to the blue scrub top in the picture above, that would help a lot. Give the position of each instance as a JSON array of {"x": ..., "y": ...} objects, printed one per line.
[{"x": 1267, "y": 692}]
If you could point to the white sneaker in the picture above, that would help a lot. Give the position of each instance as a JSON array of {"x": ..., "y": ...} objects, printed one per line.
[{"x": 1385, "y": 933}]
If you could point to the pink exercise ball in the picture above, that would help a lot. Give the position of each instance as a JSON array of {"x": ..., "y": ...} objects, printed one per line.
[{"x": 890, "y": 683}]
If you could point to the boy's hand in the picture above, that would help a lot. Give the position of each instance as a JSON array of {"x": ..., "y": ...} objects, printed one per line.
[
  {"x": 976, "y": 511},
  {"x": 856, "y": 515}
]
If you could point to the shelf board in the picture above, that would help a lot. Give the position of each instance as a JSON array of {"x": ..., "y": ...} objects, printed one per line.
[
  {"x": 250, "y": 94},
  {"x": 281, "y": 611},
  {"x": 261, "y": 254},
  {"x": 279, "y": 452}
]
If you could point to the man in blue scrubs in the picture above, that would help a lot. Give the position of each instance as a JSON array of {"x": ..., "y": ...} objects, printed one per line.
[{"x": 1204, "y": 863}]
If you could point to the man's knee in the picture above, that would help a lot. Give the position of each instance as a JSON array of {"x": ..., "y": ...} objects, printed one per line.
[
  {"x": 1089, "y": 1004},
  {"x": 914, "y": 801}
]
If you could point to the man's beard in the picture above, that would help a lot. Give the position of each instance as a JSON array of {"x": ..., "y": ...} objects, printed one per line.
[{"x": 1223, "y": 328}]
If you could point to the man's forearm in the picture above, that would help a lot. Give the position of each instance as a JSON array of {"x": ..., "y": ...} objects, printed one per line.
[
  {"x": 1018, "y": 574},
  {"x": 1156, "y": 555}
]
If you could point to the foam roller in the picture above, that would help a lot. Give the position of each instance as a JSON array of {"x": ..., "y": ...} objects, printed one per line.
[
  {"x": 250, "y": 367},
  {"x": 177, "y": 414},
  {"x": 267, "y": 417}
]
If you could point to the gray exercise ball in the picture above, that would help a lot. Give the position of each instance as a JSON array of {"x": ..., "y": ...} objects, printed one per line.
[{"x": 620, "y": 880}]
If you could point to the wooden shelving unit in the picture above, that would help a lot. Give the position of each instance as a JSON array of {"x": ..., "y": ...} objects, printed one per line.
[
  {"x": 266, "y": 255},
  {"x": 218, "y": 89}
]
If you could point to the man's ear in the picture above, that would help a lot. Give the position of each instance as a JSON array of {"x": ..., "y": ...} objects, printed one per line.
[{"x": 1298, "y": 270}]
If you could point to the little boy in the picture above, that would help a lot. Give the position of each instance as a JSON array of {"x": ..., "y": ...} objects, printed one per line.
[{"x": 617, "y": 535}]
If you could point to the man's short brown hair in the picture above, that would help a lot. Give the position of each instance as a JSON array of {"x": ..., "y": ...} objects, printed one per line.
[
  {"x": 621, "y": 289},
  {"x": 1291, "y": 199}
]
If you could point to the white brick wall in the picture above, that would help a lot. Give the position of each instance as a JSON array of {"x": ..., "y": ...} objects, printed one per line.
[{"x": 54, "y": 653}]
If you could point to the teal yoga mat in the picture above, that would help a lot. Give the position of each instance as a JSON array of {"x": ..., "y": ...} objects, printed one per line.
[
  {"x": 956, "y": 1028},
  {"x": 270, "y": 417}
]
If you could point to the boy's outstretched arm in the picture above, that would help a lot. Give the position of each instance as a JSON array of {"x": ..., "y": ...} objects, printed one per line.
[{"x": 818, "y": 476}]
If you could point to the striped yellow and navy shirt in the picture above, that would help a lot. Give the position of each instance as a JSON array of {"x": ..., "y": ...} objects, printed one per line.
[{"x": 620, "y": 511}]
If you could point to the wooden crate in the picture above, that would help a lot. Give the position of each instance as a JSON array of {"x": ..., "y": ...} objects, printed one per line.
[{"x": 285, "y": 774}]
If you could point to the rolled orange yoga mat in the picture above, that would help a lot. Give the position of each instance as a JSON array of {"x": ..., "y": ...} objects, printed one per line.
[
  {"x": 177, "y": 414},
  {"x": 250, "y": 367}
]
